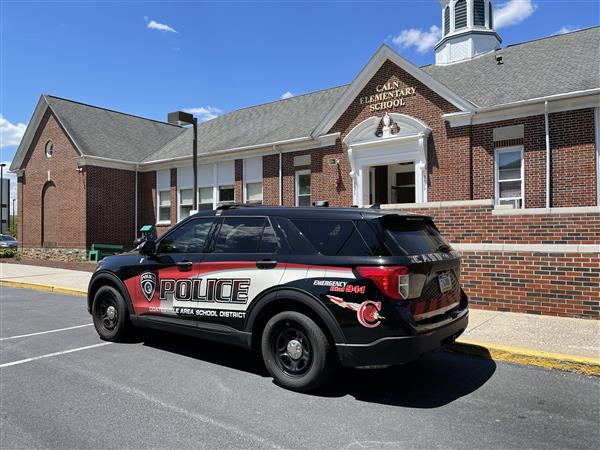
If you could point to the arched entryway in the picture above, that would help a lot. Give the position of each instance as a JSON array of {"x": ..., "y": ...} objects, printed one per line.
[
  {"x": 49, "y": 215},
  {"x": 388, "y": 157}
]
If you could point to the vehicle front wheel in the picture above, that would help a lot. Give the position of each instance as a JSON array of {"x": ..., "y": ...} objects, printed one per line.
[
  {"x": 296, "y": 352},
  {"x": 110, "y": 315}
]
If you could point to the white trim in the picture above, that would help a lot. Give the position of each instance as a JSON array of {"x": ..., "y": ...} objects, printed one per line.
[
  {"x": 497, "y": 152},
  {"x": 448, "y": 204},
  {"x": 110, "y": 163},
  {"x": 297, "y": 173},
  {"x": 567, "y": 101},
  {"x": 546, "y": 211},
  {"x": 528, "y": 248},
  {"x": 597, "y": 124},
  {"x": 366, "y": 74}
]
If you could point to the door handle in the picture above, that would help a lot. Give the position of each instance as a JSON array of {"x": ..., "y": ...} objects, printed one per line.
[
  {"x": 266, "y": 264},
  {"x": 185, "y": 266}
]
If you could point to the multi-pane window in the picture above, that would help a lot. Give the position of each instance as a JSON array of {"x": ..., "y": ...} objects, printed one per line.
[
  {"x": 303, "y": 194},
  {"x": 479, "y": 13},
  {"x": 254, "y": 193},
  {"x": 186, "y": 203},
  {"x": 460, "y": 14},
  {"x": 205, "y": 198},
  {"x": 164, "y": 206},
  {"x": 509, "y": 177},
  {"x": 446, "y": 20}
]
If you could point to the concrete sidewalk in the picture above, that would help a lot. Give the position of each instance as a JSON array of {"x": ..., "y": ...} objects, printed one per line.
[{"x": 526, "y": 334}]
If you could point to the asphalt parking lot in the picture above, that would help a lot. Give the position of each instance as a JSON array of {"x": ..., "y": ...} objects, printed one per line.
[{"x": 69, "y": 389}]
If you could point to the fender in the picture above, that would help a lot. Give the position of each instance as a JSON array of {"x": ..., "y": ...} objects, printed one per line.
[
  {"x": 303, "y": 297},
  {"x": 105, "y": 275}
]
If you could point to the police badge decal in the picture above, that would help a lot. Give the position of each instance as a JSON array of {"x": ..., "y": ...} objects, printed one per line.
[{"x": 148, "y": 284}]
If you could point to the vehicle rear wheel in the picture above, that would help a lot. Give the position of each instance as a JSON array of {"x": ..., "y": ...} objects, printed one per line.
[
  {"x": 296, "y": 352},
  {"x": 110, "y": 315}
]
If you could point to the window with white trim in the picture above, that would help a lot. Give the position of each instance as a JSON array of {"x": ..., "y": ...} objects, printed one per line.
[
  {"x": 226, "y": 194},
  {"x": 253, "y": 180},
  {"x": 509, "y": 171},
  {"x": 205, "y": 198},
  {"x": 164, "y": 206},
  {"x": 186, "y": 203},
  {"x": 303, "y": 192}
]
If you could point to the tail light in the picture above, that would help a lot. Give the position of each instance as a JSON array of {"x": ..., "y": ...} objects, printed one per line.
[{"x": 393, "y": 281}]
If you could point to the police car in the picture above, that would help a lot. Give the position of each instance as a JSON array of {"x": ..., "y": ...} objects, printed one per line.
[{"x": 305, "y": 287}]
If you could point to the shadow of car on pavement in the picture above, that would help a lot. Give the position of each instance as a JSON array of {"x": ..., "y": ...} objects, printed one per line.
[{"x": 434, "y": 380}]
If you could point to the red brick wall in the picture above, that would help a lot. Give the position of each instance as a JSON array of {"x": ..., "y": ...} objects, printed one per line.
[
  {"x": 66, "y": 224},
  {"x": 271, "y": 180},
  {"x": 147, "y": 198},
  {"x": 556, "y": 284},
  {"x": 111, "y": 206},
  {"x": 239, "y": 181},
  {"x": 573, "y": 146}
]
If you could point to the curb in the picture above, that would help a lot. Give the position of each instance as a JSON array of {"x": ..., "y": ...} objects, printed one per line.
[
  {"x": 525, "y": 356},
  {"x": 43, "y": 288},
  {"x": 496, "y": 352}
]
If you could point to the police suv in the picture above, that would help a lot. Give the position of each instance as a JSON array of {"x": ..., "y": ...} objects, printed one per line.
[{"x": 306, "y": 287}]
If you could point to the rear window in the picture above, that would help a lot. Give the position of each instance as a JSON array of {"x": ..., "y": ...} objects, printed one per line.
[
  {"x": 333, "y": 237},
  {"x": 413, "y": 236}
]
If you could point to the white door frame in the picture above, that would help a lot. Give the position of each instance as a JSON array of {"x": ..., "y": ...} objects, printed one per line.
[{"x": 366, "y": 149}]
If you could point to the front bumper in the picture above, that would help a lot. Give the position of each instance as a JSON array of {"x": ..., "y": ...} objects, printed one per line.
[{"x": 400, "y": 350}]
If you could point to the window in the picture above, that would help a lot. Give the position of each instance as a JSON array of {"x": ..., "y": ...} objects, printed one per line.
[
  {"x": 186, "y": 199},
  {"x": 412, "y": 237},
  {"x": 226, "y": 194},
  {"x": 303, "y": 197},
  {"x": 491, "y": 15},
  {"x": 205, "y": 198},
  {"x": 446, "y": 20},
  {"x": 460, "y": 14},
  {"x": 164, "y": 206},
  {"x": 189, "y": 238},
  {"x": 254, "y": 193},
  {"x": 479, "y": 13},
  {"x": 509, "y": 176},
  {"x": 246, "y": 235},
  {"x": 49, "y": 149},
  {"x": 333, "y": 237}
]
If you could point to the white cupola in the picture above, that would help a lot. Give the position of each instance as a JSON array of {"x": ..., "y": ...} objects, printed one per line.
[{"x": 467, "y": 30}]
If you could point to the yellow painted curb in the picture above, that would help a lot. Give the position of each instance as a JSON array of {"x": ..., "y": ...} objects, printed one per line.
[
  {"x": 570, "y": 363},
  {"x": 43, "y": 287}
]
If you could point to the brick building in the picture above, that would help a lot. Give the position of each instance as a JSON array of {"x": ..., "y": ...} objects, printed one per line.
[{"x": 499, "y": 145}]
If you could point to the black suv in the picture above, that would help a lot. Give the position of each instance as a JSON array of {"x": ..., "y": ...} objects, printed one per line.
[{"x": 307, "y": 287}]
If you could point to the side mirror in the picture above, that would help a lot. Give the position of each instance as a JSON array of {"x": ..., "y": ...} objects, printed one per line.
[{"x": 148, "y": 248}]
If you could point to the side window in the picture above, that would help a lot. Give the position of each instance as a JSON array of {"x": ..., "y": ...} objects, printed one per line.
[
  {"x": 189, "y": 238},
  {"x": 333, "y": 237},
  {"x": 246, "y": 235}
]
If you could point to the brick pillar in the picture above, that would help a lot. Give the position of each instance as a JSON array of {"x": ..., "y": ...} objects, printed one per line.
[
  {"x": 173, "y": 196},
  {"x": 239, "y": 181}
]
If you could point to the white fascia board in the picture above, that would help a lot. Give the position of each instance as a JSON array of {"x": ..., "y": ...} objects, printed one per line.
[
  {"x": 531, "y": 107},
  {"x": 366, "y": 74},
  {"x": 286, "y": 146},
  {"x": 105, "y": 162}
]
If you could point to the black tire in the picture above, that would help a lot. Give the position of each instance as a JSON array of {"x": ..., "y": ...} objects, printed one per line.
[
  {"x": 316, "y": 362},
  {"x": 111, "y": 324}
]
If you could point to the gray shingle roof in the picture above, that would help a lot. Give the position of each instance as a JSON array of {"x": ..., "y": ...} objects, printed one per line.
[
  {"x": 295, "y": 117},
  {"x": 110, "y": 134},
  {"x": 553, "y": 65}
]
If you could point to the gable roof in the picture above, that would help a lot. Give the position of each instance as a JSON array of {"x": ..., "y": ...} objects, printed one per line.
[{"x": 534, "y": 69}]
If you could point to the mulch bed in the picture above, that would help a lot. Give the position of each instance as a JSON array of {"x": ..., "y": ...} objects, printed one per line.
[{"x": 83, "y": 265}]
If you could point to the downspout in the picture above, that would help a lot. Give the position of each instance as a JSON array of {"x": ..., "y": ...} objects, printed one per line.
[
  {"x": 136, "y": 202},
  {"x": 280, "y": 175},
  {"x": 548, "y": 156}
]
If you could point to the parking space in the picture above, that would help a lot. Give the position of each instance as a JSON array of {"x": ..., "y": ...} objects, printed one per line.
[{"x": 170, "y": 391}]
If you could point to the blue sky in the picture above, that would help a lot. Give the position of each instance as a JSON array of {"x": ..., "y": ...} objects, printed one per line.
[{"x": 149, "y": 58}]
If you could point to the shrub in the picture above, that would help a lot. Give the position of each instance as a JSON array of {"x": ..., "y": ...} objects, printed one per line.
[{"x": 8, "y": 252}]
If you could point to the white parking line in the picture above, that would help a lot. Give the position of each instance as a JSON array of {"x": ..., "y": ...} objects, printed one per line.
[
  {"x": 49, "y": 355},
  {"x": 45, "y": 332}
]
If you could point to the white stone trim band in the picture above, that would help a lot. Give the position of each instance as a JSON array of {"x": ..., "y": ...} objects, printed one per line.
[
  {"x": 547, "y": 211},
  {"x": 527, "y": 248}
]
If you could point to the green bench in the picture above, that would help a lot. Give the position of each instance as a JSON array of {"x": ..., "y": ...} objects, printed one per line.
[{"x": 99, "y": 251}]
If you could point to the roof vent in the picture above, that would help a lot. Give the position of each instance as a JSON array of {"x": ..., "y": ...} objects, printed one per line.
[{"x": 499, "y": 58}]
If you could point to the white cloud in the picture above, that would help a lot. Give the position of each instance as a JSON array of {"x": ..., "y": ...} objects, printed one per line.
[
  {"x": 287, "y": 94},
  {"x": 566, "y": 29},
  {"x": 153, "y": 25},
  {"x": 10, "y": 133},
  {"x": 513, "y": 12},
  {"x": 204, "y": 113},
  {"x": 423, "y": 41},
  {"x": 13, "y": 182}
]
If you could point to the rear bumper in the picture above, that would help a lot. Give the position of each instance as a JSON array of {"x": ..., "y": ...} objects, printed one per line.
[{"x": 399, "y": 350}]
